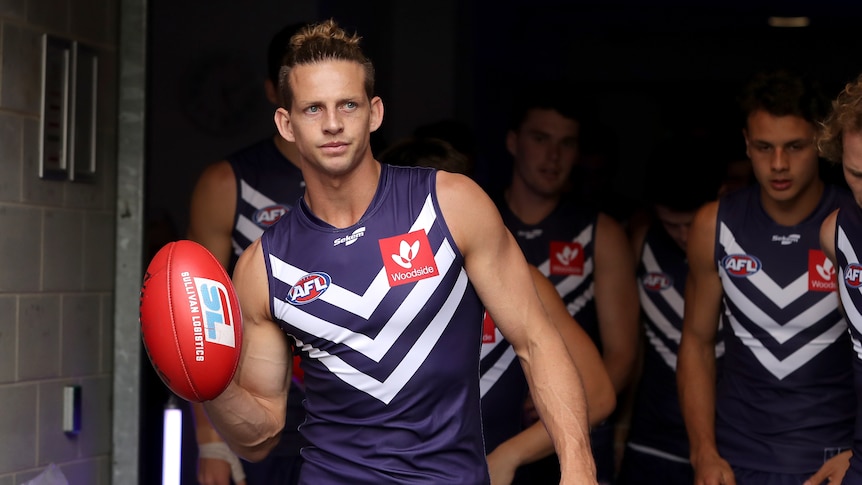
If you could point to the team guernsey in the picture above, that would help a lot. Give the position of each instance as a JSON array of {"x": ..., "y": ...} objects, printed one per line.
[
  {"x": 785, "y": 401},
  {"x": 268, "y": 186},
  {"x": 389, "y": 330},
  {"x": 656, "y": 426},
  {"x": 848, "y": 248},
  {"x": 561, "y": 246}
]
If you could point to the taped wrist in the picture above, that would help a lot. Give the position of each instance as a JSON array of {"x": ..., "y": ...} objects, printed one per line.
[{"x": 219, "y": 450}]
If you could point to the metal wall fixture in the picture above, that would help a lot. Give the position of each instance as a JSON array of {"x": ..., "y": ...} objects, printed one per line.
[{"x": 67, "y": 132}]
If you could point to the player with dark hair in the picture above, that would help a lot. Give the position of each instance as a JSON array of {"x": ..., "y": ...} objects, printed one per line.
[
  {"x": 379, "y": 278},
  {"x": 784, "y": 406},
  {"x": 657, "y": 445},
  {"x": 234, "y": 200},
  {"x": 584, "y": 252}
]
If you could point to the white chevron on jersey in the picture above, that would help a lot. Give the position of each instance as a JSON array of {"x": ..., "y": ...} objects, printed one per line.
[
  {"x": 781, "y": 333},
  {"x": 248, "y": 229},
  {"x": 492, "y": 375},
  {"x": 365, "y": 304},
  {"x": 781, "y": 297},
  {"x": 666, "y": 354},
  {"x": 253, "y": 197},
  {"x": 361, "y": 305},
  {"x": 850, "y": 310},
  {"x": 783, "y": 368},
  {"x": 670, "y": 295},
  {"x": 387, "y": 389},
  {"x": 245, "y": 226}
]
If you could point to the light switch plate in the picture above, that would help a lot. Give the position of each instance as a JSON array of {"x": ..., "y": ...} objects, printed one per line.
[{"x": 72, "y": 409}]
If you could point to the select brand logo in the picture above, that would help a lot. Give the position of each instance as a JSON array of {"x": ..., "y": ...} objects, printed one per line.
[
  {"x": 269, "y": 215},
  {"x": 821, "y": 272},
  {"x": 567, "y": 258},
  {"x": 308, "y": 288},
  {"x": 408, "y": 258},
  {"x": 740, "y": 265}
]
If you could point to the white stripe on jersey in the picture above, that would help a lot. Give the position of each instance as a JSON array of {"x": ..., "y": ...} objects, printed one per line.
[
  {"x": 492, "y": 375},
  {"x": 670, "y": 295},
  {"x": 783, "y": 368},
  {"x": 781, "y": 333},
  {"x": 850, "y": 309},
  {"x": 363, "y": 306},
  {"x": 781, "y": 297},
  {"x": 386, "y": 390},
  {"x": 253, "y": 197}
]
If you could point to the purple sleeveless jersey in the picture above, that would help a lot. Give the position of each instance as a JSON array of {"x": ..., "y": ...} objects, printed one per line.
[
  {"x": 785, "y": 400},
  {"x": 389, "y": 330},
  {"x": 848, "y": 247}
]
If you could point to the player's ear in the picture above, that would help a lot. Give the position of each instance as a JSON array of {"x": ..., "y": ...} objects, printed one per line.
[
  {"x": 282, "y": 122},
  {"x": 271, "y": 91},
  {"x": 512, "y": 142},
  {"x": 376, "y": 118}
]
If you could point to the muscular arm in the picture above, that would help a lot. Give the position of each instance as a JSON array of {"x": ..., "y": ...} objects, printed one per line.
[
  {"x": 250, "y": 414},
  {"x": 212, "y": 210},
  {"x": 696, "y": 360},
  {"x": 502, "y": 279},
  {"x": 616, "y": 300},
  {"x": 534, "y": 443}
]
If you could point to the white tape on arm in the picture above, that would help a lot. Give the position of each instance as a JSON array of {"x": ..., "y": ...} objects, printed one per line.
[{"x": 219, "y": 450}]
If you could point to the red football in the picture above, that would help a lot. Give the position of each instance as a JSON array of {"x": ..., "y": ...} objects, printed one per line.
[{"x": 190, "y": 321}]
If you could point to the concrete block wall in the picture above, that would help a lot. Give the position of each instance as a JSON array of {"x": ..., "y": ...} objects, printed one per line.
[{"x": 57, "y": 248}]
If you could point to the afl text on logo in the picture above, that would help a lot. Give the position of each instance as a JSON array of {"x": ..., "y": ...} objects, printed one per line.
[
  {"x": 853, "y": 275},
  {"x": 656, "y": 281},
  {"x": 740, "y": 265},
  {"x": 269, "y": 215},
  {"x": 308, "y": 288}
]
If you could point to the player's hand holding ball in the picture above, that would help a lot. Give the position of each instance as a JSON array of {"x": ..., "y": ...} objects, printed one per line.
[{"x": 191, "y": 322}]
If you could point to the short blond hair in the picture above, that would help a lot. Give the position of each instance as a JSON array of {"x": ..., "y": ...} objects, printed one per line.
[{"x": 846, "y": 117}]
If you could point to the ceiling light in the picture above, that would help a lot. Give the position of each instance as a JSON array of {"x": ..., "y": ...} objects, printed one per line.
[{"x": 789, "y": 21}]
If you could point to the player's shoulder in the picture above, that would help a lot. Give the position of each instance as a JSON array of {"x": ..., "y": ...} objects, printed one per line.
[
  {"x": 459, "y": 186},
  {"x": 262, "y": 147},
  {"x": 217, "y": 176}
]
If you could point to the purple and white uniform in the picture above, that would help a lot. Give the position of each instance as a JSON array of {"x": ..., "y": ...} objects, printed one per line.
[
  {"x": 785, "y": 400},
  {"x": 389, "y": 329},
  {"x": 848, "y": 247}
]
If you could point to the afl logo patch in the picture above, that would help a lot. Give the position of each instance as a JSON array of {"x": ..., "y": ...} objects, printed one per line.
[
  {"x": 740, "y": 265},
  {"x": 308, "y": 288},
  {"x": 269, "y": 215},
  {"x": 853, "y": 275},
  {"x": 656, "y": 281}
]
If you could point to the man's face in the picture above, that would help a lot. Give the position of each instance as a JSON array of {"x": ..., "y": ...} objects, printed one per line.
[
  {"x": 782, "y": 152},
  {"x": 852, "y": 163},
  {"x": 675, "y": 223},
  {"x": 544, "y": 148},
  {"x": 331, "y": 117}
]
